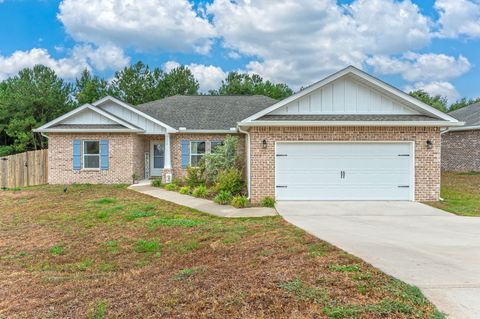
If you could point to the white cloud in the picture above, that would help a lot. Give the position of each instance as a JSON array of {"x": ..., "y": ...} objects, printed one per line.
[
  {"x": 421, "y": 67},
  {"x": 459, "y": 17},
  {"x": 79, "y": 58},
  {"x": 436, "y": 88},
  {"x": 209, "y": 77},
  {"x": 144, "y": 25},
  {"x": 300, "y": 42}
]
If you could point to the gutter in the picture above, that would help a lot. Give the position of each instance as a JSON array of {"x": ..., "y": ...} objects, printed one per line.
[
  {"x": 87, "y": 131},
  {"x": 351, "y": 123},
  {"x": 463, "y": 128}
]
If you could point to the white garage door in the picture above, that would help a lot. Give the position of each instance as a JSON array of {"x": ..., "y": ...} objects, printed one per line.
[{"x": 344, "y": 171}]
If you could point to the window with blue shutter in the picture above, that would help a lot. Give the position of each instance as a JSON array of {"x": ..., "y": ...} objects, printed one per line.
[
  {"x": 77, "y": 154},
  {"x": 185, "y": 153},
  {"x": 104, "y": 154}
]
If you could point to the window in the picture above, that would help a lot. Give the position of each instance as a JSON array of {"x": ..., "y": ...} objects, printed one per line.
[
  {"x": 197, "y": 149},
  {"x": 215, "y": 144},
  {"x": 91, "y": 154}
]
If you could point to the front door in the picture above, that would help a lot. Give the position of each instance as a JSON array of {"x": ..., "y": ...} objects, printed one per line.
[{"x": 157, "y": 157}]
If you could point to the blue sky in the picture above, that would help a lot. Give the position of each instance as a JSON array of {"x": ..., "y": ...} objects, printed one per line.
[{"x": 431, "y": 44}]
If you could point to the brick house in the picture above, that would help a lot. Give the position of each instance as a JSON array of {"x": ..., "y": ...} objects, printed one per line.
[
  {"x": 349, "y": 136},
  {"x": 461, "y": 145}
]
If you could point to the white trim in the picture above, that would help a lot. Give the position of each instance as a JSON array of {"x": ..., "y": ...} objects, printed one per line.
[
  {"x": 208, "y": 131},
  {"x": 167, "y": 163},
  {"x": 93, "y": 130},
  {"x": 196, "y": 154},
  {"x": 412, "y": 157},
  {"x": 366, "y": 77},
  {"x": 131, "y": 108},
  {"x": 45, "y": 127},
  {"x": 350, "y": 123},
  {"x": 463, "y": 128},
  {"x": 83, "y": 155}
]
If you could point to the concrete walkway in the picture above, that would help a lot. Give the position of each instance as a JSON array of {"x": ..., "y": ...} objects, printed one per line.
[
  {"x": 434, "y": 250},
  {"x": 201, "y": 204}
]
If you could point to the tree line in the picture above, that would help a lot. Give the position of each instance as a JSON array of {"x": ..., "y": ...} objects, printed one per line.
[{"x": 38, "y": 95}]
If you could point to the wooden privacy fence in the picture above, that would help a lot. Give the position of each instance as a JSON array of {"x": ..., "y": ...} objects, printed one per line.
[{"x": 24, "y": 169}]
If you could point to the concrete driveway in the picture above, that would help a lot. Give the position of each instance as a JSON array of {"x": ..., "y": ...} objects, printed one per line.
[{"x": 423, "y": 246}]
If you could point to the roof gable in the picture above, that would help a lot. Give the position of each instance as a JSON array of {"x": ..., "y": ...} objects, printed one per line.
[
  {"x": 351, "y": 91},
  {"x": 88, "y": 118}
]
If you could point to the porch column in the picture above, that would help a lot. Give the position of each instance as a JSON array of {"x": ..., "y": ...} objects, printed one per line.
[{"x": 168, "y": 163}]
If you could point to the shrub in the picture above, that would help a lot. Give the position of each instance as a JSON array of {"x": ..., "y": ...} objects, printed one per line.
[
  {"x": 200, "y": 191},
  {"x": 184, "y": 190},
  {"x": 223, "y": 198},
  {"x": 268, "y": 202},
  {"x": 157, "y": 182},
  {"x": 240, "y": 202},
  {"x": 195, "y": 176},
  {"x": 171, "y": 187},
  {"x": 178, "y": 181},
  {"x": 224, "y": 157},
  {"x": 230, "y": 181}
]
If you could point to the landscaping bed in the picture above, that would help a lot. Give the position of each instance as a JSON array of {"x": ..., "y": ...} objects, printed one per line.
[
  {"x": 109, "y": 252},
  {"x": 460, "y": 193}
]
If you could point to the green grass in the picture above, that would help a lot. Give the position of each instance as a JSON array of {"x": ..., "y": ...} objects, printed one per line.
[
  {"x": 186, "y": 273},
  {"x": 57, "y": 250},
  {"x": 461, "y": 194},
  {"x": 146, "y": 246},
  {"x": 173, "y": 222},
  {"x": 99, "y": 311},
  {"x": 103, "y": 201},
  {"x": 345, "y": 268},
  {"x": 139, "y": 214},
  {"x": 305, "y": 292}
]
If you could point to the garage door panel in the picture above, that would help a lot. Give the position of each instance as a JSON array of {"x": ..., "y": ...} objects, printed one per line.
[{"x": 343, "y": 171}]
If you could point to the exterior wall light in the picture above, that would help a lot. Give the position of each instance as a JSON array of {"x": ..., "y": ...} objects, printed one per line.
[
  {"x": 264, "y": 144},
  {"x": 429, "y": 144}
]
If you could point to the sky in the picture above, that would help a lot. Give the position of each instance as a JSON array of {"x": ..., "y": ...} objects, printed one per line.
[{"x": 430, "y": 44}]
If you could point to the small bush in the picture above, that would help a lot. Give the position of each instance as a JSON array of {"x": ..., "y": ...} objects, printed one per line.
[
  {"x": 57, "y": 250},
  {"x": 200, "y": 191},
  {"x": 178, "y": 181},
  {"x": 240, "y": 202},
  {"x": 195, "y": 176},
  {"x": 268, "y": 202},
  {"x": 223, "y": 198},
  {"x": 184, "y": 190},
  {"x": 157, "y": 182},
  {"x": 230, "y": 181},
  {"x": 171, "y": 187}
]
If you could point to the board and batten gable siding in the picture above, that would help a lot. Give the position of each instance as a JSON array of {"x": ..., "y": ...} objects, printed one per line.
[
  {"x": 345, "y": 96},
  {"x": 132, "y": 117},
  {"x": 88, "y": 116}
]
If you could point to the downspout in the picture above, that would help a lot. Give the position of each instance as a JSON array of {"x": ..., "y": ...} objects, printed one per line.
[{"x": 248, "y": 158}]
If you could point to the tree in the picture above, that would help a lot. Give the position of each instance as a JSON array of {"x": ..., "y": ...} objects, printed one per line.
[
  {"x": 439, "y": 102},
  {"x": 137, "y": 84},
  {"x": 462, "y": 103},
  {"x": 246, "y": 84},
  {"x": 28, "y": 100},
  {"x": 90, "y": 88},
  {"x": 179, "y": 80}
]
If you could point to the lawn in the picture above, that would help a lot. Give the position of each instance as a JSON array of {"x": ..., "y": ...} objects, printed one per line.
[
  {"x": 461, "y": 193},
  {"x": 109, "y": 252}
]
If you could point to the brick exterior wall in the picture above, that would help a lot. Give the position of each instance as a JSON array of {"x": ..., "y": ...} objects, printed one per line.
[
  {"x": 427, "y": 161},
  {"x": 461, "y": 151},
  {"x": 176, "y": 148},
  {"x": 123, "y": 159}
]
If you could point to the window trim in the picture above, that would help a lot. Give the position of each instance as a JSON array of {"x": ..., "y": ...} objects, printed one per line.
[
  {"x": 84, "y": 153},
  {"x": 196, "y": 154}
]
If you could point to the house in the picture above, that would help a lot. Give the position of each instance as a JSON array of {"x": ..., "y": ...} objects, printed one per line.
[
  {"x": 349, "y": 136},
  {"x": 461, "y": 145}
]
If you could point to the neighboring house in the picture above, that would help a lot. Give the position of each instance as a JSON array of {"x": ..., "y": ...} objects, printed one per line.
[
  {"x": 461, "y": 145},
  {"x": 349, "y": 136}
]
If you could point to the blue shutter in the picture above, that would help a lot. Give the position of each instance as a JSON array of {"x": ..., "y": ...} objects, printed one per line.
[
  {"x": 77, "y": 153},
  {"x": 185, "y": 153},
  {"x": 103, "y": 154}
]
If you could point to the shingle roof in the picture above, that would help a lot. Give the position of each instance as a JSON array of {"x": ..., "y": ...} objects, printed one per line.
[
  {"x": 468, "y": 114},
  {"x": 347, "y": 117},
  {"x": 205, "y": 112}
]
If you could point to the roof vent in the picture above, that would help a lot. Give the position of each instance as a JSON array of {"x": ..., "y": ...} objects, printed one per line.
[
  {"x": 182, "y": 128},
  {"x": 233, "y": 129}
]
